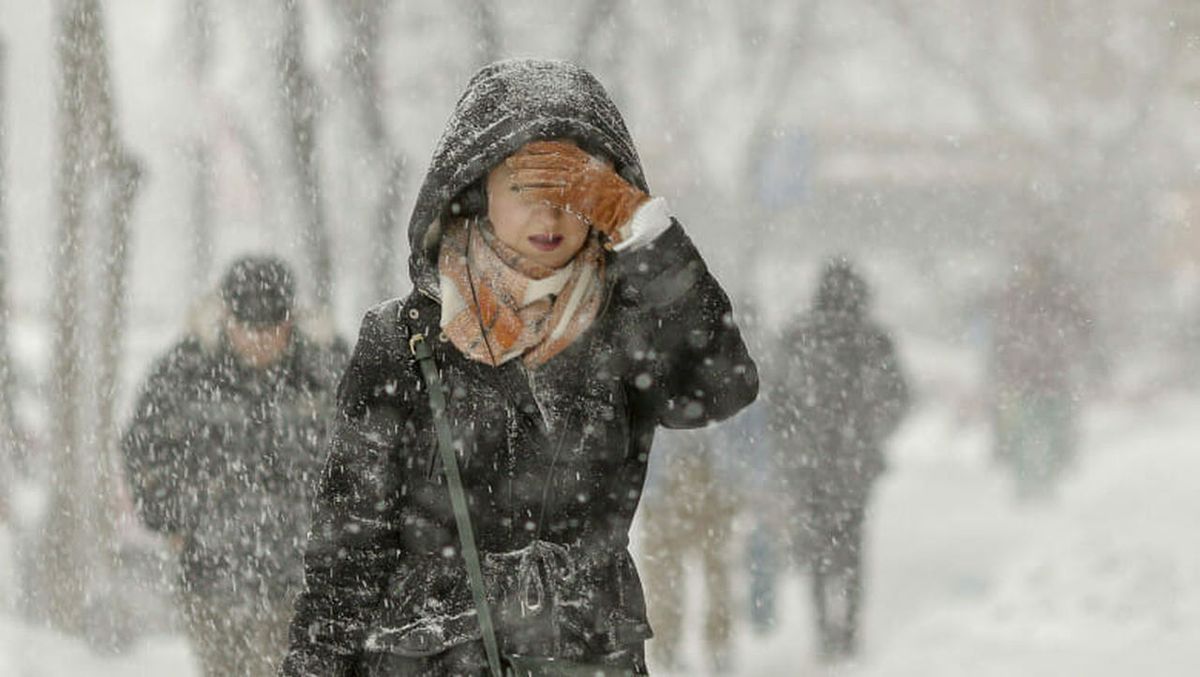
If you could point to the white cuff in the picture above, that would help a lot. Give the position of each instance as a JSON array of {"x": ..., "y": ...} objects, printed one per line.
[{"x": 649, "y": 221}]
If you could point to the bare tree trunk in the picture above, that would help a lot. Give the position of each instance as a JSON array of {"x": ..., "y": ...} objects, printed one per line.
[
  {"x": 481, "y": 14},
  {"x": 199, "y": 30},
  {"x": 387, "y": 272},
  {"x": 122, "y": 179},
  {"x": 9, "y": 435},
  {"x": 604, "y": 16},
  {"x": 125, "y": 177},
  {"x": 64, "y": 563},
  {"x": 779, "y": 61},
  {"x": 78, "y": 552},
  {"x": 300, "y": 103},
  {"x": 597, "y": 13},
  {"x": 365, "y": 18}
]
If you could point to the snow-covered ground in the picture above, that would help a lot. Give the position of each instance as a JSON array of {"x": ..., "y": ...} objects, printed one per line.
[
  {"x": 962, "y": 582},
  {"x": 1106, "y": 581}
]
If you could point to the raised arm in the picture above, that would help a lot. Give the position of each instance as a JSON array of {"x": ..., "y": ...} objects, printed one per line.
[{"x": 689, "y": 361}]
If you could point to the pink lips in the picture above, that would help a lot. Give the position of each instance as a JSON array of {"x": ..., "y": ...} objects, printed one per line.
[{"x": 546, "y": 243}]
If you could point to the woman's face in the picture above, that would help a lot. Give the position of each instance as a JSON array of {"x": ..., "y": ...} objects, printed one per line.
[{"x": 547, "y": 235}]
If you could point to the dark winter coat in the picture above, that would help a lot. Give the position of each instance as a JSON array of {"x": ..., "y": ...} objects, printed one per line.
[
  {"x": 842, "y": 393},
  {"x": 225, "y": 456},
  {"x": 553, "y": 458}
]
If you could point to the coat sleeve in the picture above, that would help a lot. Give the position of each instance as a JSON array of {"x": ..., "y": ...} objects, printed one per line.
[
  {"x": 156, "y": 443},
  {"x": 354, "y": 537},
  {"x": 689, "y": 364},
  {"x": 888, "y": 389}
]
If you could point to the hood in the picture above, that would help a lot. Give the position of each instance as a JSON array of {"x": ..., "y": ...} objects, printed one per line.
[
  {"x": 506, "y": 105},
  {"x": 842, "y": 289}
]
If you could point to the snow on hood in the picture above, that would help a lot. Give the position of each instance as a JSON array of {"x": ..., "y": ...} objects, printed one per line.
[{"x": 506, "y": 105}]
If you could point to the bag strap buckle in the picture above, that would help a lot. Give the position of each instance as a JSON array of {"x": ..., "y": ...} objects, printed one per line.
[{"x": 420, "y": 349}]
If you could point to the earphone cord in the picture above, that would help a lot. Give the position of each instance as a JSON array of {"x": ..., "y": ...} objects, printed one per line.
[{"x": 474, "y": 297}]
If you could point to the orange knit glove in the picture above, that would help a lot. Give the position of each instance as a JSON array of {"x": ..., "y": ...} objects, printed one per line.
[{"x": 561, "y": 174}]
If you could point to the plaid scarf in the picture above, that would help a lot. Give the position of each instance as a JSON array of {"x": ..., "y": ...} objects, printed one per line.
[{"x": 497, "y": 304}]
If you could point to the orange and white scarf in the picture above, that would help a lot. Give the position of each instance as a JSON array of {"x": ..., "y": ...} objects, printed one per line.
[{"x": 498, "y": 305}]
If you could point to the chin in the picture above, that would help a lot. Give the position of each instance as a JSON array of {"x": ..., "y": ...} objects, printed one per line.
[
  {"x": 555, "y": 264},
  {"x": 547, "y": 259}
]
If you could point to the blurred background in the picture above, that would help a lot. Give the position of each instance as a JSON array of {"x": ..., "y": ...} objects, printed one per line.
[{"x": 940, "y": 144}]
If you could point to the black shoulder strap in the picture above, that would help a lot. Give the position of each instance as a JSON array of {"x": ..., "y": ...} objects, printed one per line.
[{"x": 458, "y": 497}]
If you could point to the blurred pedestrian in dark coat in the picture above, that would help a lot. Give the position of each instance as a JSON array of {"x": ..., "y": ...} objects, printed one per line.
[
  {"x": 223, "y": 451},
  {"x": 842, "y": 394}
]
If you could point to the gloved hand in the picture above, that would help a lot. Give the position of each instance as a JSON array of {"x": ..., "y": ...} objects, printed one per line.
[{"x": 561, "y": 174}]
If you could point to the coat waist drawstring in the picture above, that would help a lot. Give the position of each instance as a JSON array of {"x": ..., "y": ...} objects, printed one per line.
[{"x": 538, "y": 573}]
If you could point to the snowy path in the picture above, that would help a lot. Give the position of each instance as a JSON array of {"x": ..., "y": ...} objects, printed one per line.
[{"x": 1106, "y": 582}]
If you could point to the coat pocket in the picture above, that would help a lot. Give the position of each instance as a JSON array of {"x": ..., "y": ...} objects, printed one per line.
[{"x": 426, "y": 609}]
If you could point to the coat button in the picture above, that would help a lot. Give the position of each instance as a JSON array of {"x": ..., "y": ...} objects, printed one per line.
[
  {"x": 413, "y": 314},
  {"x": 442, "y": 337}
]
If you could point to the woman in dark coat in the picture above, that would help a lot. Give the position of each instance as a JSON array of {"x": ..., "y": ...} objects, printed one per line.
[{"x": 570, "y": 316}]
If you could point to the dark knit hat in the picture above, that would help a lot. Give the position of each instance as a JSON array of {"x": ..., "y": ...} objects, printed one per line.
[{"x": 259, "y": 290}]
